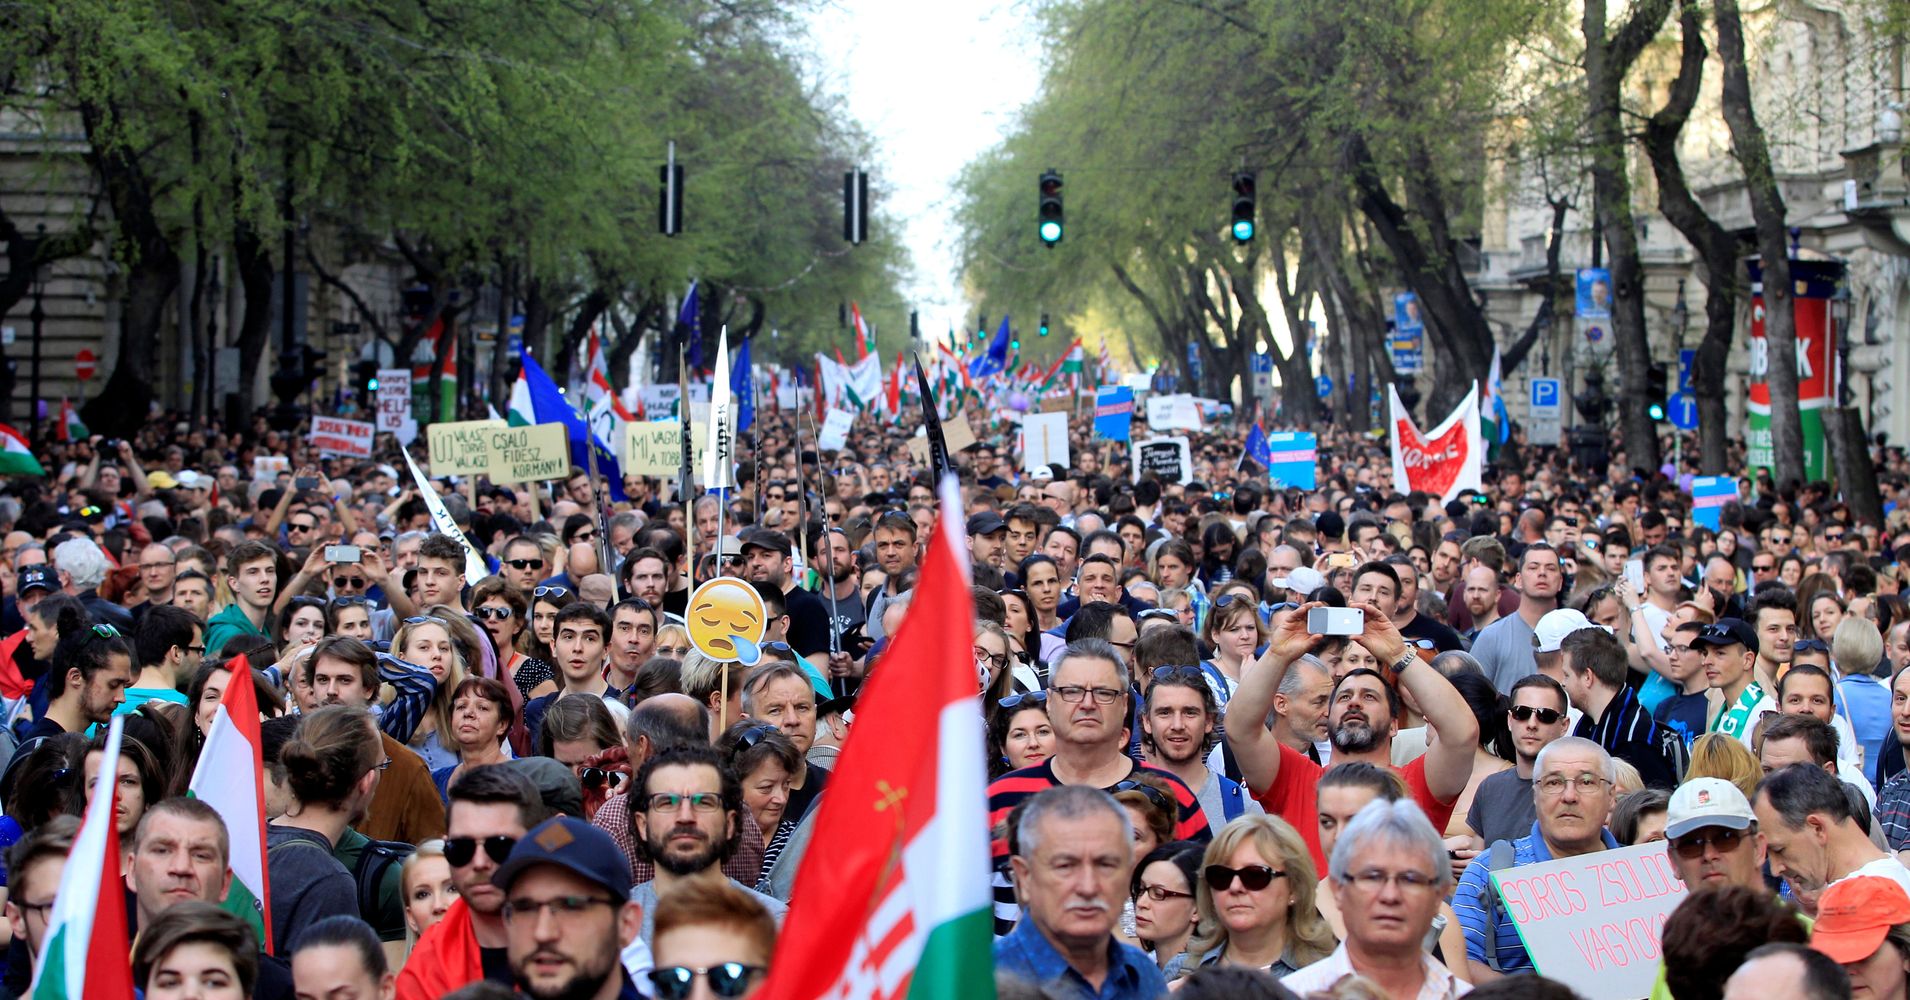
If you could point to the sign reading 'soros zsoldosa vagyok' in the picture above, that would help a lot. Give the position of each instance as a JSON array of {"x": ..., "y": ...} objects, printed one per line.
[
  {"x": 531, "y": 453},
  {"x": 1594, "y": 922}
]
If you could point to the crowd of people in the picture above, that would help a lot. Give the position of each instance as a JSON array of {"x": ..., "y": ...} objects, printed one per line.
[{"x": 530, "y": 782}]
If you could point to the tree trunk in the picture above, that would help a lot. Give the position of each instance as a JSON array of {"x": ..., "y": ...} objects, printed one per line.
[
  {"x": 253, "y": 265},
  {"x": 1607, "y": 61},
  {"x": 503, "y": 364},
  {"x": 1767, "y": 208},
  {"x": 1718, "y": 251}
]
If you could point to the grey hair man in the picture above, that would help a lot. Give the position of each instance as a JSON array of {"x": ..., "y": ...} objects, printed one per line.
[{"x": 1388, "y": 873}]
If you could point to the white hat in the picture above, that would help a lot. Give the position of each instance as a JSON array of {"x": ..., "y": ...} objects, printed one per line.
[
  {"x": 1703, "y": 802},
  {"x": 1041, "y": 474},
  {"x": 1554, "y": 626},
  {"x": 1303, "y": 581}
]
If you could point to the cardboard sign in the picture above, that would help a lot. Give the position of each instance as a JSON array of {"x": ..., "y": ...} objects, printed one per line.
[
  {"x": 338, "y": 436},
  {"x": 652, "y": 448},
  {"x": 1593, "y": 922},
  {"x": 1709, "y": 494},
  {"x": 530, "y": 454},
  {"x": 269, "y": 466},
  {"x": 1113, "y": 412},
  {"x": 394, "y": 404},
  {"x": 1169, "y": 458},
  {"x": 1044, "y": 440},
  {"x": 1057, "y": 404},
  {"x": 1168, "y": 413},
  {"x": 835, "y": 430},
  {"x": 1293, "y": 459},
  {"x": 461, "y": 448},
  {"x": 660, "y": 400},
  {"x": 957, "y": 433}
]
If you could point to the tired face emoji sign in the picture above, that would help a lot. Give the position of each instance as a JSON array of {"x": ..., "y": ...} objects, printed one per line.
[{"x": 725, "y": 619}]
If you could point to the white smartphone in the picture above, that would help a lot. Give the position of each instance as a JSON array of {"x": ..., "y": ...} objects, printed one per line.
[
  {"x": 1635, "y": 575},
  {"x": 1336, "y": 621}
]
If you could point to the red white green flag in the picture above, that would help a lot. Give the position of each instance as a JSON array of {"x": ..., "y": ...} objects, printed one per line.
[
  {"x": 893, "y": 899},
  {"x": 865, "y": 341},
  {"x": 84, "y": 953},
  {"x": 231, "y": 779}
]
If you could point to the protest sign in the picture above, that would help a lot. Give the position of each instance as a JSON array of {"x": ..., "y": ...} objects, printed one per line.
[
  {"x": 1044, "y": 440},
  {"x": 1709, "y": 494},
  {"x": 835, "y": 429},
  {"x": 957, "y": 433},
  {"x": 269, "y": 466},
  {"x": 1113, "y": 412},
  {"x": 338, "y": 436},
  {"x": 660, "y": 400},
  {"x": 461, "y": 448},
  {"x": 1443, "y": 461},
  {"x": 1293, "y": 460},
  {"x": 394, "y": 404},
  {"x": 1169, "y": 458},
  {"x": 652, "y": 447},
  {"x": 1167, "y": 413},
  {"x": 529, "y": 454},
  {"x": 1593, "y": 921}
]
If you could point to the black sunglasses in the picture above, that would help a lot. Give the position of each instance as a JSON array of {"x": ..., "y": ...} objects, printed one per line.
[
  {"x": 1810, "y": 646},
  {"x": 524, "y": 563},
  {"x": 728, "y": 980},
  {"x": 460, "y": 851},
  {"x": 1252, "y": 877},
  {"x": 1154, "y": 795},
  {"x": 1547, "y": 716}
]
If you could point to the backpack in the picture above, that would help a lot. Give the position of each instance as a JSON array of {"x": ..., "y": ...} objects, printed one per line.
[
  {"x": 1499, "y": 857},
  {"x": 373, "y": 862}
]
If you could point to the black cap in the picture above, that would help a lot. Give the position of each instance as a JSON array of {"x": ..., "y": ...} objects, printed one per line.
[
  {"x": 765, "y": 538},
  {"x": 571, "y": 844},
  {"x": 986, "y": 522},
  {"x": 1726, "y": 632},
  {"x": 38, "y": 575},
  {"x": 559, "y": 787}
]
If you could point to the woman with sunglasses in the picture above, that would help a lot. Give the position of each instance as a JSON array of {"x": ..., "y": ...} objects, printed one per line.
[
  {"x": 764, "y": 760},
  {"x": 425, "y": 641},
  {"x": 1162, "y": 893},
  {"x": 1019, "y": 733},
  {"x": 1256, "y": 900},
  {"x": 502, "y": 609},
  {"x": 481, "y": 718},
  {"x": 1151, "y": 811}
]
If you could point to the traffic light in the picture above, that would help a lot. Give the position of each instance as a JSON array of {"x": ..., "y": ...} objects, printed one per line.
[
  {"x": 855, "y": 205},
  {"x": 1015, "y": 344},
  {"x": 1050, "y": 211},
  {"x": 1243, "y": 206},
  {"x": 1044, "y": 324},
  {"x": 365, "y": 374},
  {"x": 1657, "y": 391},
  {"x": 670, "y": 196},
  {"x": 1593, "y": 404}
]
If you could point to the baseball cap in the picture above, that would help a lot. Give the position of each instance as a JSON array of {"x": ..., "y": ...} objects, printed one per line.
[
  {"x": 160, "y": 479},
  {"x": 1041, "y": 474},
  {"x": 39, "y": 575},
  {"x": 192, "y": 480},
  {"x": 765, "y": 538},
  {"x": 1554, "y": 626},
  {"x": 986, "y": 522},
  {"x": 1856, "y": 914},
  {"x": 1303, "y": 580},
  {"x": 1703, "y": 802},
  {"x": 1726, "y": 631},
  {"x": 729, "y": 545},
  {"x": 573, "y": 845}
]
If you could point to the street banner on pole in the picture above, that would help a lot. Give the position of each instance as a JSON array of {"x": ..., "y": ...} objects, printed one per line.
[
  {"x": 1709, "y": 494},
  {"x": 1443, "y": 462},
  {"x": 1815, "y": 283}
]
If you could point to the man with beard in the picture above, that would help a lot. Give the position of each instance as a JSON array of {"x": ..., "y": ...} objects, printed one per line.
[
  {"x": 567, "y": 912},
  {"x": 1361, "y": 718},
  {"x": 838, "y": 590},
  {"x": 1177, "y": 717},
  {"x": 766, "y": 554},
  {"x": 687, "y": 809}
]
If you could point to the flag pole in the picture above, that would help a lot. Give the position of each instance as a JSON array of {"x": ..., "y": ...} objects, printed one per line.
[{"x": 683, "y": 476}]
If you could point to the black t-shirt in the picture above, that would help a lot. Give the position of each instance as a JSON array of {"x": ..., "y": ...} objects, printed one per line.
[
  {"x": 808, "y": 622},
  {"x": 849, "y": 612},
  {"x": 800, "y": 799},
  {"x": 1444, "y": 639},
  {"x": 496, "y": 963}
]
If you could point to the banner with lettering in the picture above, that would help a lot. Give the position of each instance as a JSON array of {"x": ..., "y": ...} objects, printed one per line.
[
  {"x": 1441, "y": 463},
  {"x": 1293, "y": 459},
  {"x": 1113, "y": 412},
  {"x": 338, "y": 436},
  {"x": 1813, "y": 283},
  {"x": 1593, "y": 921},
  {"x": 1709, "y": 494}
]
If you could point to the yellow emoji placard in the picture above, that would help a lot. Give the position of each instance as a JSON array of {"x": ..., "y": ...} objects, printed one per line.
[{"x": 726, "y": 619}]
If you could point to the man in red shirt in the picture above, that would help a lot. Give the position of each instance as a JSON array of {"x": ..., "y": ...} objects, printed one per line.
[{"x": 1361, "y": 719}]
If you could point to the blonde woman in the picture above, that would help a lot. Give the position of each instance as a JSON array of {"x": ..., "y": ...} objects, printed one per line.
[
  {"x": 427, "y": 890},
  {"x": 425, "y": 641},
  {"x": 1233, "y": 630},
  {"x": 1256, "y": 900}
]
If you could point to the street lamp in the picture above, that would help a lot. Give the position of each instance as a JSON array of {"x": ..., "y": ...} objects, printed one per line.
[
  {"x": 38, "y": 318},
  {"x": 1890, "y": 124}
]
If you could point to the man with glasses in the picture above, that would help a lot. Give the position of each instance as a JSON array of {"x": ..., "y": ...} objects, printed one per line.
[
  {"x": 157, "y": 567},
  {"x": 1763, "y": 568},
  {"x": 170, "y": 643},
  {"x": 1730, "y": 651},
  {"x": 1573, "y": 792},
  {"x": 492, "y": 808},
  {"x": 713, "y": 933},
  {"x": 1688, "y": 711},
  {"x": 686, "y": 806},
  {"x": 522, "y": 564},
  {"x": 35, "y": 864},
  {"x": 1503, "y": 807},
  {"x": 1711, "y": 836},
  {"x": 567, "y": 912}
]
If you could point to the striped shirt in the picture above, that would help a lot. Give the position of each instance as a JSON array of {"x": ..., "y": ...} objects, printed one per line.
[
  {"x": 1472, "y": 903},
  {"x": 1628, "y": 732}
]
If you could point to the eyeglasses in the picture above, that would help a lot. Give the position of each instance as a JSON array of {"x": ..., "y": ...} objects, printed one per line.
[
  {"x": 1252, "y": 877},
  {"x": 1373, "y": 880},
  {"x": 1161, "y": 893},
  {"x": 460, "y": 851},
  {"x": 384, "y": 765},
  {"x": 551, "y": 592},
  {"x": 563, "y": 907},
  {"x": 490, "y": 612},
  {"x": 669, "y": 802},
  {"x": 27, "y": 909},
  {"x": 729, "y": 980},
  {"x": 1159, "y": 798},
  {"x": 1833, "y": 537},
  {"x": 996, "y": 660},
  {"x": 1027, "y": 698},
  {"x": 1553, "y": 785},
  {"x": 1547, "y": 716},
  {"x": 1074, "y": 693},
  {"x": 1691, "y": 848},
  {"x": 1810, "y": 646},
  {"x": 524, "y": 563}
]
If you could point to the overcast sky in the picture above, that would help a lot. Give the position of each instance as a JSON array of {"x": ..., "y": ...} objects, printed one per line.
[{"x": 935, "y": 84}]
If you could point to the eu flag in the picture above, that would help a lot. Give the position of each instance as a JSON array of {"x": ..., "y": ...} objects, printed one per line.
[
  {"x": 549, "y": 406},
  {"x": 743, "y": 387}
]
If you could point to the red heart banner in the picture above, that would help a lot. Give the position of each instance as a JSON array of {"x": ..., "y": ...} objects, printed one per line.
[{"x": 1443, "y": 462}]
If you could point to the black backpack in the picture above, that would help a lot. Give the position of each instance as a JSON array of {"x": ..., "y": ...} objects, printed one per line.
[{"x": 373, "y": 862}]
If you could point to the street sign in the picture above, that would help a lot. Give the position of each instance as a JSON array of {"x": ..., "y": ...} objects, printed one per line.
[
  {"x": 1323, "y": 384},
  {"x": 85, "y": 365},
  {"x": 1262, "y": 376},
  {"x": 1545, "y": 412},
  {"x": 1684, "y": 410},
  {"x": 1685, "y": 358}
]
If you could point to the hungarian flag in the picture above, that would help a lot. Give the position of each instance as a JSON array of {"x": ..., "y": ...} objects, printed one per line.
[
  {"x": 71, "y": 429},
  {"x": 1495, "y": 425},
  {"x": 865, "y": 341},
  {"x": 231, "y": 779},
  {"x": 16, "y": 459},
  {"x": 84, "y": 952},
  {"x": 605, "y": 413},
  {"x": 893, "y": 900}
]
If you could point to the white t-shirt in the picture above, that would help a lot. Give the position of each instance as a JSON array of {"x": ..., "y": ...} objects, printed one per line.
[{"x": 1885, "y": 867}]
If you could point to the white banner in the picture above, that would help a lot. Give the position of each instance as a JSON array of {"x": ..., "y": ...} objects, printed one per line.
[
  {"x": 338, "y": 436},
  {"x": 1044, "y": 440},
  {"x": 474, "y": 566},
  {"x": 835, "y": 430}
]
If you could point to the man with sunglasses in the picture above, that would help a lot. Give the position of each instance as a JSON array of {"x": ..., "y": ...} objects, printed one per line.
[
  {"x": 1712, "y": 840},
  {"x": 1503, "y": 807},
  {"x": 712, "y": 933},
  {"x": 522, "y": 564},
  {"x": 493, "y": 807}
]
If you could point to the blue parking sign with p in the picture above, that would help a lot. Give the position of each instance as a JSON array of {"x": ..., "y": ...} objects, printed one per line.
[{"x": 1545, "y": 392}]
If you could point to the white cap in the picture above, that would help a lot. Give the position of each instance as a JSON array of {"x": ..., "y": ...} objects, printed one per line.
[
  {"x": 1554, "y": 626},
  {"x": 1041, "y": 474},
  {"x": 1303, "y": 581},
  {"x": 1703, "y": 802}
]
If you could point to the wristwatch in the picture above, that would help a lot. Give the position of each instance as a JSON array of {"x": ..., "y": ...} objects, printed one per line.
[{"x": 1405, "y": 660}]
